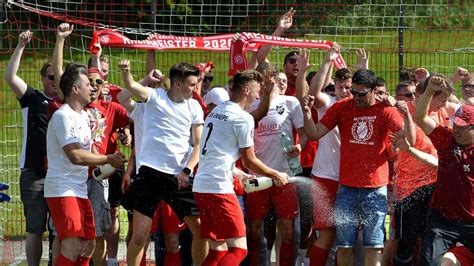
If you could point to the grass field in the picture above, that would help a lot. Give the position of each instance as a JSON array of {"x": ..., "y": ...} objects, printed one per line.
[{"x": 438, "y": 51}]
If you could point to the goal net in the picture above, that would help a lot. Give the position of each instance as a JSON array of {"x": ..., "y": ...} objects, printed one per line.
[{"x": 435, "y": 34}]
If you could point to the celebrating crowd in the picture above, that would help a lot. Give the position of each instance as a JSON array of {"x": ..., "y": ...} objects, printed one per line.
[{"x": 359, "y": 154}]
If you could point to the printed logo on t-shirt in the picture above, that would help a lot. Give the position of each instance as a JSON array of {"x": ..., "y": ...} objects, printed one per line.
[
  {"x": 97, "y": 123},
  {"x": 270, "y": 129},
  {"x": 363, "y": 130},
  {"x": 280, "y": 109}
]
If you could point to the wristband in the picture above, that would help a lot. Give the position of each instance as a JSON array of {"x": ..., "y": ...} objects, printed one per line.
[{"x": 186, "y": 170}]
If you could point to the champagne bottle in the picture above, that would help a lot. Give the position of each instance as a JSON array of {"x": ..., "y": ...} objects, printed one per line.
[{"x": 103, "y": 171}]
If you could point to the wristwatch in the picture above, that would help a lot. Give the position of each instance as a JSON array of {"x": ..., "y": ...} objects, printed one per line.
[{"x": 186, "y": 170}]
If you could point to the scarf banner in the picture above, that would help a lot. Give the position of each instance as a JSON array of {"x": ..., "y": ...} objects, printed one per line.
[
  {"x": 218, "y": 43},
  {"x": 238, "y": 61}
]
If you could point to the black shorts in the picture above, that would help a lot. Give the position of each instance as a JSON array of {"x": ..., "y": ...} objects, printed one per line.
[
  {"x": 152, "y": 186},
  {"x": 115, "y": 188}
]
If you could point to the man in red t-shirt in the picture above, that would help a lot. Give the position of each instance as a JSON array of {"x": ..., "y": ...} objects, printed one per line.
[
  {"x": 451, "y": 217},
  {"x": 364, "y": 125}
]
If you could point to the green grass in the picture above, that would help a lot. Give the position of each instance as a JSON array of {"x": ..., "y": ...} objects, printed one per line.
[{"x": 439, "y": 51}]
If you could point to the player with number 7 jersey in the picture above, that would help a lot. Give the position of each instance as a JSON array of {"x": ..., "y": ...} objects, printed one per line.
[{"x": 228, "y": 135}]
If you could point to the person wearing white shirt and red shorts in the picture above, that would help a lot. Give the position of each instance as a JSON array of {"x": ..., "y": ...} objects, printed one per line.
[{"x": 228, "y": 134}]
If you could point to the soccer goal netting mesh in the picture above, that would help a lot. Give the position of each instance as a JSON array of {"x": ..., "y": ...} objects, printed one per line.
[{"x": 435, "y": 34}]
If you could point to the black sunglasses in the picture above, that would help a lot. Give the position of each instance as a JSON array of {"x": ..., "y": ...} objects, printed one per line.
[
  {"x": 408, "y": 95},
  {"x": 208, "y": 79},
  {"x": 96, "y": 81},
  {"x": 50, "y": 77},
  {"x": 360, "y": 93},
  {"x": 291, "y": 60}
]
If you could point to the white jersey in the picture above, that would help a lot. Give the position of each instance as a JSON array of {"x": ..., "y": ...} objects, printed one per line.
[
  {"x": 227, "y": 129},
  {"x": 327, "y": 160},
  {"x": 137, "y": 116},
  {"x": 283, "y": 115},
  {"x": 166, "y": 132},
  {"x": 63, "y": 178}
]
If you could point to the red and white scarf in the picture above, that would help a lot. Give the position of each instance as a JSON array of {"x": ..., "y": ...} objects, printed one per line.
[{"x": 219, "y": 43}]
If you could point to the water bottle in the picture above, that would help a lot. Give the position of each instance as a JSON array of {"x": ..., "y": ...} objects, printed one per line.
[
  {"x": 294, "y": 163},
  {"x": 261, "y": 183},
  {"x": 103, "y": 171}
]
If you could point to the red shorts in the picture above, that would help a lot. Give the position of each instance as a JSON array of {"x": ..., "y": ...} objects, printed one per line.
[
  {"x": 324, "y": 192},
  {"x": 284, "y": 199},
  {"x": 170, "y": 223},
  {"x": 221, "y": 216},
  {"x": 464, "y": 256},
  {"x": 72, "y": 217}
]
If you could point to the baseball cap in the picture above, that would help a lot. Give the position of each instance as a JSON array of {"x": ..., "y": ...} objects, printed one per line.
[
  {"x": 464, "y": 116},
  {"x": 216, "y": 95}
]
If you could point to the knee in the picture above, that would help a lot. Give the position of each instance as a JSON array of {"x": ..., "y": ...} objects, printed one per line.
[
  {"x": 255, "y": 231},
  {"x": 87, "y": 248},
  {"x": 139, "y": 239},
  {"x": 287, "y": 233},
  {"x": 71, "y": 248}
]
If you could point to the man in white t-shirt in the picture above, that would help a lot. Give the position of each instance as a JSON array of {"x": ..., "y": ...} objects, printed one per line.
[
  {"x": 228, "y": 134},
  {"x": 172, "y": 122},
  {"x": 69, "y": 155}
]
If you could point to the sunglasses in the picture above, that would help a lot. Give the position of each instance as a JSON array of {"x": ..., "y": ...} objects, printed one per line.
[
  {"x": 208, "y": 79},
  {"x": 97, "y": 81},
  {"x": 408, "y": 95},
  {"x": 291, "y": 60},
  {"x": 360, "y": 93},
  {"x": 50, "y": 77}
]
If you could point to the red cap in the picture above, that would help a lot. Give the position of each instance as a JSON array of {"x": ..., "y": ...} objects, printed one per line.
[
  {"x": 96, "y": 71},
  {"x": 464, "y": 116}
]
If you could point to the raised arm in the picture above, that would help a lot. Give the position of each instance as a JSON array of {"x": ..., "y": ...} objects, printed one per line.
[
  {"x": 363, "y": 62},
  {"x": 283, "y": 25},
  {"x": 319, "y": 80},
  {"x": 313, "y": 131},
  {"x": 301, "y": 85},
  {"x": 17, "y": 84},
  {"x": 63, "y": 31},
  {"x": 131, "y": 85},
  {"x": 409, "y": 128},
  {"x": 459, "y": 74},
  {"x": 268, "y": 88},
  {"x": 421, "y": 116},
  {"x": 403, "y": 144}
]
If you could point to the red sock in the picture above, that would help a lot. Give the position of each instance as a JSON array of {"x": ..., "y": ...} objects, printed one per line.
[
  {"x": 143, "y": 261},
  {"x": 172, "y": 259},
  {"x": 83, "y": 261},
  {"x": 318, "y": 256},
  {"x": 233, "y": 257},
  {"x": 62, "y": 260},
  {"x": 213, "y": 257},
  {"x": 287, "y": 254}
]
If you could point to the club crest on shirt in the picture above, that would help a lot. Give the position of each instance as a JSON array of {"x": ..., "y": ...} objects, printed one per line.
[
  {"x": 280, "y": 109},
  {"x": 362, "y": 130}
]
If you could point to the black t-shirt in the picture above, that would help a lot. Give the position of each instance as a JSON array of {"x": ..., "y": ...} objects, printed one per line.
[{"x": 34, "y": 106}]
